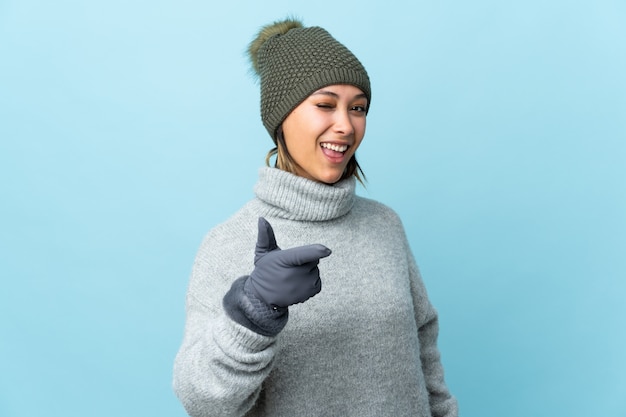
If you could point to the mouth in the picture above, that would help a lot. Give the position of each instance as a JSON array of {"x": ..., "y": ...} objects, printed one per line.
[
  {"x": 335, "y": 153},
  {"x": 335, "y": 148}
]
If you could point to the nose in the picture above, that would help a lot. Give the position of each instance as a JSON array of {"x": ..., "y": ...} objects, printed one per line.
[{"x": 343, "y": 123}]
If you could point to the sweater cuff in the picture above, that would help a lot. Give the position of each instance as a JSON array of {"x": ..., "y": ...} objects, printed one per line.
[{"x": 245, "y": 308}]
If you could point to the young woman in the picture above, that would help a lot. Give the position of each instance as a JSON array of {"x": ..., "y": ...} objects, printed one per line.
[{"x": 307, "y": 301}]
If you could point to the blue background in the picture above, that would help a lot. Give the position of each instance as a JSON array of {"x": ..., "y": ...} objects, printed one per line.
[{"x": 497, "y": 131}]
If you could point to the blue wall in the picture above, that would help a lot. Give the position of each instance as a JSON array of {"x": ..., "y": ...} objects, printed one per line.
[{"x": 497, "y": 131}]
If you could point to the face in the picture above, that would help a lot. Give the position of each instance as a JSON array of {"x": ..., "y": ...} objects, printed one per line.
[{"x": 324, "y": 132}]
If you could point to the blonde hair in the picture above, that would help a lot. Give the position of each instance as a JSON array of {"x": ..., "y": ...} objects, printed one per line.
[{"x": 285, "y": 162}]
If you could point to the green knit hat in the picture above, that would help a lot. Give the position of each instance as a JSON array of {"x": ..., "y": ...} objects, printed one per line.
[{"x": 293, "y": 62}]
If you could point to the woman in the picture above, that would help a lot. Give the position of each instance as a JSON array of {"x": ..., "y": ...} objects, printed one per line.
[{"x": 263, "y": 336}]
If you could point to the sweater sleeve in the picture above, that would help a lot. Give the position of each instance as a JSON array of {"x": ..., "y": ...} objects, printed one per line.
[
  {"x": 221, "y": 364},
  {"x": 442, "y": 403}
]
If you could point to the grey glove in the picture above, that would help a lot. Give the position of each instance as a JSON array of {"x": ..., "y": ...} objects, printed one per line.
[
  {"x": 280, "y": 278},
  {"x": 284, "y": 277}
]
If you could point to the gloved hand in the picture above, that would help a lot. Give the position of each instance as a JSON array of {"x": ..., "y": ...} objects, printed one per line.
[{"x": 284, "y": 277}]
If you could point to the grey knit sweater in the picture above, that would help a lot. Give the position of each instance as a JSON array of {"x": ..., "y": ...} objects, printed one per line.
[{"x": 364, "y": 346}]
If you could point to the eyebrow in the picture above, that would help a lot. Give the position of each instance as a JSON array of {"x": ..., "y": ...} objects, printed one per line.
[{"x": 331, "y": 94}]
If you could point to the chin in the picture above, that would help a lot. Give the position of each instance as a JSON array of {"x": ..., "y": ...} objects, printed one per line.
[
  {"x": 325, "y": 176},
  {"x": 330, "y": 178}
]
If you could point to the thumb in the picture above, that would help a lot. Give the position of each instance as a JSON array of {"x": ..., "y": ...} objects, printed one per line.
[
  {"x": 266, "y": 241},
  {"x": 304, "y": 254}
]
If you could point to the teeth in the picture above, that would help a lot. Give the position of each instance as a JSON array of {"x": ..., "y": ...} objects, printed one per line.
[{"x": 336, "y": 148}]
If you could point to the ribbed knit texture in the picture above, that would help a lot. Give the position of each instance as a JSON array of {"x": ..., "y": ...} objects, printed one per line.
[
  {"x": 295, "y": 64},
  {"x": 243, "y": 306},
  {"x": 296, "y": 198},
  {"x": 364, "y": 346}
]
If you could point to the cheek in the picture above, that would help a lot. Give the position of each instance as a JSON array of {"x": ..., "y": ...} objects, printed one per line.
[{"x": 359, "y": 131}]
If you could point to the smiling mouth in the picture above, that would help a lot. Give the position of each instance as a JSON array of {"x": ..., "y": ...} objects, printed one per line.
[{"x": 336, "y": 148}]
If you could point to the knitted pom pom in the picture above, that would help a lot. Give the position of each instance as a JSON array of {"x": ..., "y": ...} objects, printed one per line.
[{"x": 277, "y": 28}]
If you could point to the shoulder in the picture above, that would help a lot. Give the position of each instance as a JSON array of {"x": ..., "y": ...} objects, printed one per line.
[
  {"x": 240, "y": 226},
  {"x": 375, "y": 211},
  {"x": 378, "y": 221},
  {"x": 226, "y": 253}
]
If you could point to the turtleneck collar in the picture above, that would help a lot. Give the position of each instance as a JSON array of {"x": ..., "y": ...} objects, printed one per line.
[{"x": 289, "y": 196}]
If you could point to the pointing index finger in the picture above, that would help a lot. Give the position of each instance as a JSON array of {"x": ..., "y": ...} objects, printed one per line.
[{"x": 304, "y": 254}]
